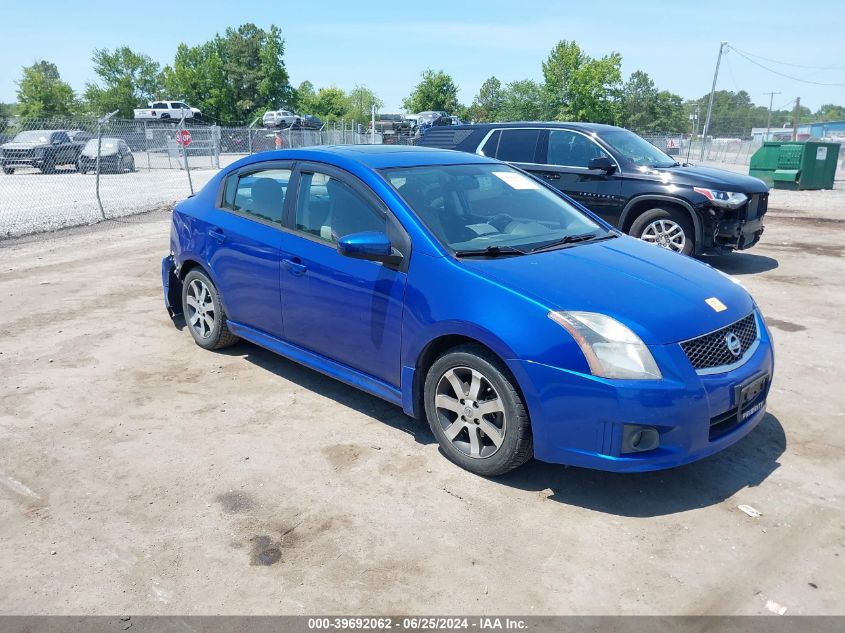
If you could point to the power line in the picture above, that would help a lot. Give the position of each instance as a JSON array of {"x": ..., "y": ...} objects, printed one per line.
[
  {"x": 774, "y": 61},
  {"x": 771, "y": 70}
]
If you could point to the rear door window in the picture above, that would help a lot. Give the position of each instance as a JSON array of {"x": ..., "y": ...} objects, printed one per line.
[
  {"x": 258, "y": 194},
  {"x": 518, "y": 146}
]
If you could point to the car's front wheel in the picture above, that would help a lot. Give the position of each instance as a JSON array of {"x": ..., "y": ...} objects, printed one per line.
[
  {"x": 667, "y": 228},
  {"x": 476, "y": 412},
  {"x": 204, "y": 312}
]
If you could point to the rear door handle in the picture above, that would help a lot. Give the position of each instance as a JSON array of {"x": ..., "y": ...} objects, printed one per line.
[
  {"x": 295, "y": 266},
  {"x": 217, "y": 234}
]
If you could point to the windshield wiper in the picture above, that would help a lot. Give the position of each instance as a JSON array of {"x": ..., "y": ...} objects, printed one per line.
[
  {"x": 574, "y": 239},
  {"x": 491, "y": 251}
]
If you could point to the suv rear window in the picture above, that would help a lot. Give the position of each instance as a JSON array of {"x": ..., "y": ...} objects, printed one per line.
[{"x": 518, "y": 146}]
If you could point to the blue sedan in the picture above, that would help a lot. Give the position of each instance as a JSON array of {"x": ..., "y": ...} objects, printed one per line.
[{"x": 471, "y": 294}]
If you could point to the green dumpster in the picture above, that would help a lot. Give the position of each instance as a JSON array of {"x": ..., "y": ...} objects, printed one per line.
[{"x": 794, "y": 165}]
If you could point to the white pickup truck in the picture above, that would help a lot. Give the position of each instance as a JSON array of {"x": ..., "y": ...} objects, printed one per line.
[{"x": 164, "y": 110}]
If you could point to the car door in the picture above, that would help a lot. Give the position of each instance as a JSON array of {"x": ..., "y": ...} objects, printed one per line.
[
  {"x": 243, "y": 236},
  {"x": 564, "y": 157},
  {"x": 63, "y": 149},
  {"x": 348, "y": 310}
]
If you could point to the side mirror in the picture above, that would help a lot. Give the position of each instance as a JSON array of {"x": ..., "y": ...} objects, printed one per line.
[
  {"x": 370, "y": 245},
  {"x": 602, "y": 163}
]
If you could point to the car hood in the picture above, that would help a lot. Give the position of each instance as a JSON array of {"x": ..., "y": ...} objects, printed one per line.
[
  {"x": 13, "y": 145},
  {"x": 659, "y": 294},
  {"x": 696, "y": 176}
]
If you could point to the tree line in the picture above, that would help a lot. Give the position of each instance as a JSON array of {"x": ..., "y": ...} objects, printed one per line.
[{"x": 235, "y": 76}]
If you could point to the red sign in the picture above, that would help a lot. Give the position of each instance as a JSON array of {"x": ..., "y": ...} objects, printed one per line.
[{"x": 183, "y": 138}]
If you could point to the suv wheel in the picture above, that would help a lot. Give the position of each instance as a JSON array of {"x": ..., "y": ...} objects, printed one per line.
[
  {"x": 667, "y": 228},
  {"x": 476, "y": 413}
]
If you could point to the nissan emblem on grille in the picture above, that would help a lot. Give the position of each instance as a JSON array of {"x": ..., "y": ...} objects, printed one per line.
[
  {"x": 733, "y": 343},
  {"x": 723, "y": 347}
]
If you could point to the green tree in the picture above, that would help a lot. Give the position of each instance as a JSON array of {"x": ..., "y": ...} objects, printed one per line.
[
  {"x": 360, "y": 102},
  {"x": 128, "y": 80},
  {"x": 43, "y": 94},
  {"x": 305, "y": 97},
  {"x": 198, "y": 77},
  {"x": 522, "y": 101},
  {"x": 830, "y": 112},
  {"x": 563, "y": 60},
  {"x": 330, "y": 103},
  {"x": 435, "y": 91},
  {"x": 488, "y": 102},
  {"x": 580, "y": 88},
  {"x": 644, "y": 109}
]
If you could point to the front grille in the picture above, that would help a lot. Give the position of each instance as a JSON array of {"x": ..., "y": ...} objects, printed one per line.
[
  {"x": 756, "y": 206},
  {"x": 711, "y": 350},
  {"x": 16, "y": 153}
]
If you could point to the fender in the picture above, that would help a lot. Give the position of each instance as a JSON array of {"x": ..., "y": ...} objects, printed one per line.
[
  {"x": 696, "y": 222},
  {"x": 412, "y": 380}
]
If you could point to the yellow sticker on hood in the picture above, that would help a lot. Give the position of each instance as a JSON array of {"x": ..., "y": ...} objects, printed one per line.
[{"x": 717, "y": 305}]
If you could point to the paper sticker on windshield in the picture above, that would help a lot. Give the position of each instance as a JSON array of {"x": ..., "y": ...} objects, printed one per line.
[
  {"x": 717, "y": 305},
  {"x": 516, "y": 180}
]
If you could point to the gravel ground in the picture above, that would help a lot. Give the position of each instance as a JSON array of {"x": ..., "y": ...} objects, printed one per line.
[
  {"x": 32, "y": 202},
  {"x": 141, "y": 474}
]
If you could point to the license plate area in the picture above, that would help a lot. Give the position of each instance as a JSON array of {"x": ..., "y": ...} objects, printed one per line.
[{"x": 750, "y": 395}]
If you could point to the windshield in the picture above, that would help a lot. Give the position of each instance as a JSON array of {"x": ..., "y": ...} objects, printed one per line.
[
  {"x": 108, "y": 146},
  {"x": 476, "y": 207},
  {"x": 33, "y": 136},
  {"x": 637, "y": 150}
]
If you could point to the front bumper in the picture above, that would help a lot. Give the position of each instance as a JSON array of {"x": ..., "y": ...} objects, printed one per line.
[{"x": 579, "y": 419}]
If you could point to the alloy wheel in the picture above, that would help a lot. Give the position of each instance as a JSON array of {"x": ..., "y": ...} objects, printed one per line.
[
  {"x": 201, "y": 311},
  {"x": 470, "y": 412},
  {"x": 665, "y": 233}
]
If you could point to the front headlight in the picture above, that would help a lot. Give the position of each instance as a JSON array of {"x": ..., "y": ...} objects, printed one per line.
[
  {"x": 726, "y": 199},
  {"x": 611, "y": 349}
]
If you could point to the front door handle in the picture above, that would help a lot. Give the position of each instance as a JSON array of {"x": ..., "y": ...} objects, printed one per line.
[
  {"x": 295, "y": 266},
  {"x": 217, "y": 234}
]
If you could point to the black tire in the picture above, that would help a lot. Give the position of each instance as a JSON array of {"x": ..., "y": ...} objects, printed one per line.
[
  {"x": 81, "y": 168},
  {"x": 517, "y": 444},
  {"x": 8, "y": 170},
  {"x": 121, "y": 168},
  {"x": 680, "y": 218},
  {"x": 219, "y": 335},
  {"x": 132, "y": 165},
  {"x": 49, "y": 167}
]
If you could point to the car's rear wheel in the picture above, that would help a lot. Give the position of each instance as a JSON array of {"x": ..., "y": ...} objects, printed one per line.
[
  {"x": 204, "y": 312},
  {"x": 668, "y": 228},
  {"x": 476, "y": 411}
]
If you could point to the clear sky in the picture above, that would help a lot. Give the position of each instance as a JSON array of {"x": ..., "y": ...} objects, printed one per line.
[{"x": 387, "y": 47}]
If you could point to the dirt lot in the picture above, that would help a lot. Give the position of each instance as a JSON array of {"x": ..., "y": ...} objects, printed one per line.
[{"x": 141, "y": 474}]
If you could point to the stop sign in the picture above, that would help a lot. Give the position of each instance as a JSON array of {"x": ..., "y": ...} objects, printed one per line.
[{"x": 183, "y": 138}]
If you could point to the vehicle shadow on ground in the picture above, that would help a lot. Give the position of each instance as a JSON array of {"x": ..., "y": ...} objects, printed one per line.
[
  {"x": 343, "y": 394},
  {"x": 742, "y": 263},
  {"x": 707, "y": 482},
  {"x": 700, "y": 484}
]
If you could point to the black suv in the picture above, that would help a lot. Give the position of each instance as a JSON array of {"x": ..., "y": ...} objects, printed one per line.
[{"x": 625, "y": 180}]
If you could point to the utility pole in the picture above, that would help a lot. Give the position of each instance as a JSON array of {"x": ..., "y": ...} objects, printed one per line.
[
  {"x": 795, "y": 117},
  {"x": 723, "y": 48},
  {"x": 769, "y": 119}
]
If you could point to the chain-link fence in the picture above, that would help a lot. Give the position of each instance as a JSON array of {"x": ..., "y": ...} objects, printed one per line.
[{"x": 60, "y": 173}]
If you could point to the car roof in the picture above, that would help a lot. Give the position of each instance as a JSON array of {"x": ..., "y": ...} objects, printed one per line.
[
  {"x": 584, "y": 127},
  {"x": 378, "y": 156}
]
